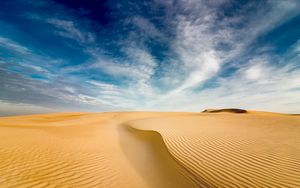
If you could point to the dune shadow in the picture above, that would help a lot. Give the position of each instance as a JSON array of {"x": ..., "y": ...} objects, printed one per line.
[{"x": 147, "y": 153}]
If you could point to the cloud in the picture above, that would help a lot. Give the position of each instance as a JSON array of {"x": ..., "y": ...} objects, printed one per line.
[
  {"x": 9, "y": 109},
  {"x": 276, "y": 90},
  {"x": 195, "y": 44},
  {"x": 26, "y": 60},
  {"x": 68, "y": 29},
  {"x": 37, "y": 69},
  {"x": 147, "y": 28},
  {"x": 114, "y": 95},
  {"x": 13, "y": 46},
  {"x": 256, "y": 69},
  {"x": 138, "y": 68}
]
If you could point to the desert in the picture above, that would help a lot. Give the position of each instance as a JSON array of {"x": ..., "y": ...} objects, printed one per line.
[
  {"x": 149, "y": 93},
  {"x": 150, "y": 149}
]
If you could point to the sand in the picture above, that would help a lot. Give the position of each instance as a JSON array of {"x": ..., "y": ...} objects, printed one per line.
[{"x": 150, "y": 149}]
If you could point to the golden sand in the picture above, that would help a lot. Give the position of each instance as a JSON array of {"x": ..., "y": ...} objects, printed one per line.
[{"x": 150, "y": 149}]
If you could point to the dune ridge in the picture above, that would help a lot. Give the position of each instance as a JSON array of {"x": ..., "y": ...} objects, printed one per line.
[
  {"x": 150, "y": 149},
  {"x": 215, "y": 159},
  {"x": 182, "y": 168}
]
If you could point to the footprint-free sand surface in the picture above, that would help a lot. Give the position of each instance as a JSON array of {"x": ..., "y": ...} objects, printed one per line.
[{"x": 150, "y": 149}]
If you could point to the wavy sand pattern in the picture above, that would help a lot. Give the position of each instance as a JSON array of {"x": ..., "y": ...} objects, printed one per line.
[{"x": 148, "y": 149}]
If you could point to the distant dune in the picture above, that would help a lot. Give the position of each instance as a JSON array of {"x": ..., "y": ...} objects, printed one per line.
[
  {"x": 231, "y": 110},
  {"x": 150, "y": 149}
]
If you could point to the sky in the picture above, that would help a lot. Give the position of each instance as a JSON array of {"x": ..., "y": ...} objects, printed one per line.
[{"x": 157, "y": 55}]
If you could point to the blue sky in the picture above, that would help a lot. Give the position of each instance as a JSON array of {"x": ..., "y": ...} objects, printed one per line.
[{"x": 168, "y": 55}]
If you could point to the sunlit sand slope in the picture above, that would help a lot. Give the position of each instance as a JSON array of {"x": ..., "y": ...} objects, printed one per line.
[
  {"x": 233, "y": 150},
  {"x": 148, "y": 149}
]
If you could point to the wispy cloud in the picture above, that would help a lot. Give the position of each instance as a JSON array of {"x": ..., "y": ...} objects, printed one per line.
[
  {"x": 13, "y": 46},
  {"x": 147, "y": 28},
  {"x": 68, "y": 29}
]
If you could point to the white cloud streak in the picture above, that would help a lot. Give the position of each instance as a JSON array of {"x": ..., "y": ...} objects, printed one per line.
[
  {"x": 68, "y": 29},
  {"x": 13, "y": 46}
]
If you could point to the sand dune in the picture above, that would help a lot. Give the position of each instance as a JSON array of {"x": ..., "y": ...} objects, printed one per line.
[
  {"x": 148, "y": 149},
  {"x": 231, "y": 110}
]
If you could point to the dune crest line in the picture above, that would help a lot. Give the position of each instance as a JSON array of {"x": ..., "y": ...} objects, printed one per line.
[{"x": 183, "y": 170}]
